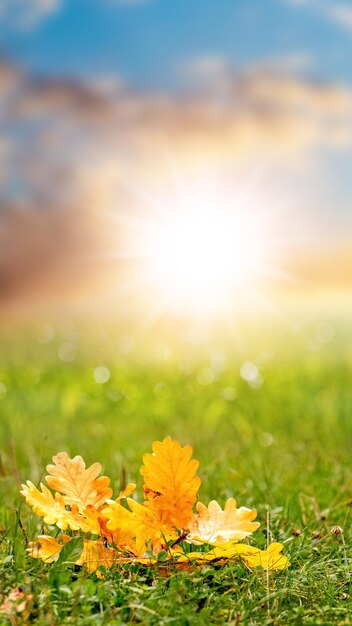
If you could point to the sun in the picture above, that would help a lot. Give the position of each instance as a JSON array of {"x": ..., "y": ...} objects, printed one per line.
[
  {"x": 204, "y": 247},
  {"x": 199, "y": 256}
]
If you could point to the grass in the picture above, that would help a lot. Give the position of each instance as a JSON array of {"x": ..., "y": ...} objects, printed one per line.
[{"x": 281, "y": 444}]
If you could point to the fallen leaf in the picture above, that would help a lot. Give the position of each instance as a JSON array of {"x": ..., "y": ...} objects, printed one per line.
[
  {"x": 79, "y": 485},
  {"x": 16, "y": 603},
  {"x": 53, "y": 510},
  {"x": 138, "y": 529},
  {"x": 95, "y": 554},
  {"x": 170, "y": 482},
  {"x": 47, "y": 548},
  {"x": 214, "y": 525},
  {"x": 271, "y": 558}
]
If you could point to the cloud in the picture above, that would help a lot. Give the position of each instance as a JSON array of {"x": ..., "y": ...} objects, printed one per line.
[
  {"x": 290, "y": 63},
  {"x": 125, "y": 2},
  {"x": 59, "y": 131},
  {"x": 272, "y": 100},
  {"x": 339, "y": 13},
  {"x": 27, "y": 14}
]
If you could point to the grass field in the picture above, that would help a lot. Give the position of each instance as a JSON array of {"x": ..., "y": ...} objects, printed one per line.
[{"x": 278, "y": 438}]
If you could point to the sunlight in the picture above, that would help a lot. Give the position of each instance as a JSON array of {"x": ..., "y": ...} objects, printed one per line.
[{"x": 200, "y": 256}]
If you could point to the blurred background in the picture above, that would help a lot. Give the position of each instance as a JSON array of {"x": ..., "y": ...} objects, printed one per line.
[{"x": 175, "y": 225}]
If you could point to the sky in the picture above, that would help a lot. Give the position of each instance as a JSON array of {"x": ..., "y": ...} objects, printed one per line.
[
  {"x": 104, "y": 104},
  {"x": 147, "y": 42}
]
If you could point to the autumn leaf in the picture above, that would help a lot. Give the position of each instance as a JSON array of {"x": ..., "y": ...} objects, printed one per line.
[
  {"x": 138, "y": 529},
  {"x": 88, "y": 520},
  {"x": 271, "y": 558},
  {"x": 79, "y": 485},
  {"x": 91, "y": 553},
  {"x": 16, "y": 604},
  {"x": 95, "y": 554},
  {"x": 212, "y": 524},
  {"x": 53, "y": 510},
  {"x": 47, "y": 548},
  {"x": 126, "y": 492},
  {"x": 118, "y": 525},
  {"x": 170, "y": 481}
]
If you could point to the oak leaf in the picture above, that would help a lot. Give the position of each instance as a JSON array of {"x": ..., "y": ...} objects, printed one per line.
[
  {"x": 138, "y": 529},
  {"x": 79, "y": 485},
  {"x": 270, "y": 559},
  {"x": 46, "y": 548},
  {"x": 53, "y": 510},
  {"x": 126, "y": 492},
  {"x": 17, "y": 606},
  {"x": 170, "y": 482},
  {"x": 212, "y": 524},
  {"x": 95, "y": 554}
]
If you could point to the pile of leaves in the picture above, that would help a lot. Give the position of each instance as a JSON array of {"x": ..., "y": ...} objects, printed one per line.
[{"x": 169, "y": 526}]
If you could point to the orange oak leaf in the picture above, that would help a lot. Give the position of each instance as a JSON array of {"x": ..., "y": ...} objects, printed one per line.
[
  {"x": 170, "y": 481},
  {"x": 79, "y": 485},
  {"x": 212, "y": 524}
]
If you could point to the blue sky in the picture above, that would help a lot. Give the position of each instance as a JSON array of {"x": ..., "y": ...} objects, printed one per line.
[{"x": 148, "y": 41}]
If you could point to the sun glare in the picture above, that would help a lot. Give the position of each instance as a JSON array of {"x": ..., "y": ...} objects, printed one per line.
[
  {"x": 200, "y": 258},
  {"x": 202, "y": 247}
]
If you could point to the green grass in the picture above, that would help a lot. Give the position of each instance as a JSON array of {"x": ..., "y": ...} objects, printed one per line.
[{"x": 283, "y": 448}]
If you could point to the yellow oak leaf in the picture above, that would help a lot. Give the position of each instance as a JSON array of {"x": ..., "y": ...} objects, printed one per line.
[
  {"x": 170, "y": 482},
  {"x": 111, "y": 536},
  {"x": 214, "y": 525},
  {"x": 271, "y": 558},
  {"x": 46, "y": 548},
  {"x": 78, "y": 485},
  {"x": 126, "y": 492},
  {"x": 53, "y": 510},
  {"x": 115, "y": 525},
  {"x": 96, "y": 554}
]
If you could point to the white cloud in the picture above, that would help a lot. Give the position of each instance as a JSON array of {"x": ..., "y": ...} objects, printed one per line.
[
  {"x": 339, "y": 13},
  {"x": 27, "y": 14},
  {"x": 126, "y": 2},
  {"x": 290, "y": 63},
  {"x": 297, "y": 2}
]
